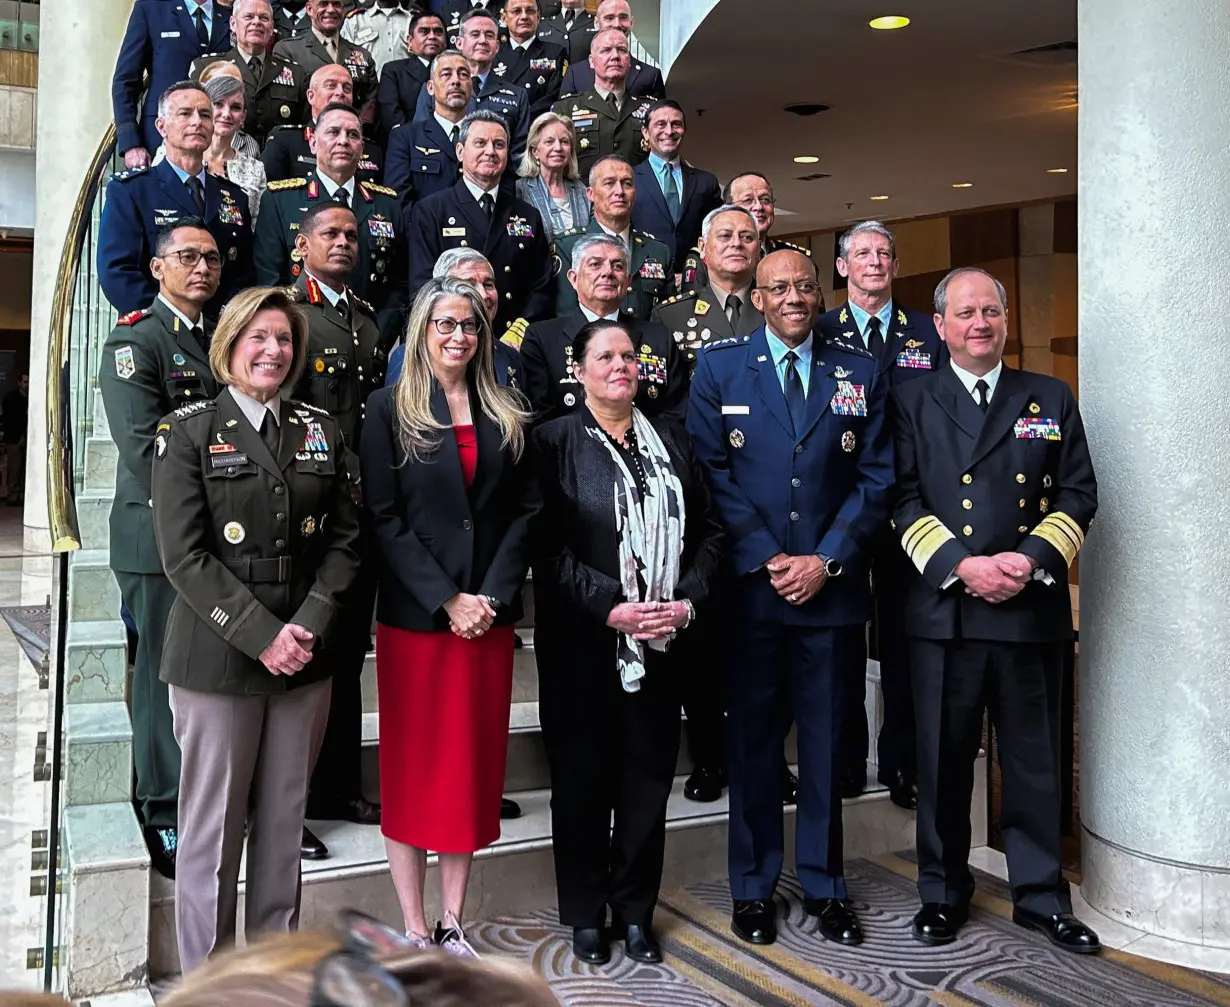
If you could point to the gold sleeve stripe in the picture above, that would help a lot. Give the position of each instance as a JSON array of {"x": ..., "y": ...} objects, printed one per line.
[
  {"x": 923, "y": 539},
  {"x": 1063, "y": 533}
]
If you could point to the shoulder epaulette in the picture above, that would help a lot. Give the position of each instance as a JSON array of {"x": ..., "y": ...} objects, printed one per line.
[
  {"x": 384, "y": 189},
  {"x": 308, "y": 406},
  {"x": 678, "y": 297},
  {"x": 724, "y": 343},
  {"x": 357, "y": 10},
  {"x": 195, "y": 407},
  {"x": 124, "y": 176},
  {"x": 360, "y": 302},
  {"x": 287, "y": 183},
  {"x": 515, "y": 333},
  {"x": 572, "y": 231},
  {"x": 648, "y": 237},
  {"x": 132, "y": 317},
  {"x": 838, "y": 344}
]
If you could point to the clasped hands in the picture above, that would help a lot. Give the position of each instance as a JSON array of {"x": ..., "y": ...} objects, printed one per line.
[
  {"x": 996, "y": 578},
  {"x": 470, "y": 615},
  {"x": 289, "y": 651},
  {"x": 648, "y": 620},
  {"x": 796, "y": 578}
]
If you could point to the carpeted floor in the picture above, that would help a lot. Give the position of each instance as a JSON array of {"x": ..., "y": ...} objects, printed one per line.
[{"x": 993, "y": 964}]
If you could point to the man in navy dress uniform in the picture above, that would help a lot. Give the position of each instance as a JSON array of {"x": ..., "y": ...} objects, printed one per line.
[
  {"x": 422, "y": 155},
  {"x": 907, "y": 346},
  {"x": 162, "y": 39},
  {"x": 402, "y": 80},
  {"x": 996, "y": 492},
  {"x": 479, "y": 213},
  {"x": 142, "y": 201},
  {"x": 792, "y": 434},
  {"x": 527, "y": 62}
]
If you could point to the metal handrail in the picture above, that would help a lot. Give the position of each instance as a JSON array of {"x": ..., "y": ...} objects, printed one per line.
[{"x": 61, "y": 504}]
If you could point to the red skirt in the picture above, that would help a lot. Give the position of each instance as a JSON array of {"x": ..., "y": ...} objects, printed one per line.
[{"x": 444, "y": 705}]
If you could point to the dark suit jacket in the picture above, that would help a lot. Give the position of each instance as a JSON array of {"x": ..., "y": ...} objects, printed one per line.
[
  {"x": 514, "y": 238},
  {"x": 138, "y": 203},
  {"x": 644, "y": 81},
  {"x": 160, "y": 40},
  {"x": 538, "y": 69},
  {"x": 507, "y": 362},
  {"x": 437, "y": 538},
  {"x": 420, "y": 160},
  {"x": 1015, "y": 479},
  {"x": 546, "y": 355},
  {"x": 912, "y": 347},
  {"x": 279, "y": 98},
  {"x": 397, "y": 98},
  {"x": 822, "y": 490},
  {"x": 576, "y": 549},
  {"x": 510, "y": 103},
  {"x": 701, "y": 193},
  {"x": 575, "y": 43}
]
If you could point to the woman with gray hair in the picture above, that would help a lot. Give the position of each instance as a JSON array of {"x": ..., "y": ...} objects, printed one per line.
[
  {"x": 550, "y": 180},
  {"x": 450, "y": 495}
]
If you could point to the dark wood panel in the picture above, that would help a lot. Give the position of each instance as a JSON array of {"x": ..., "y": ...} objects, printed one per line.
[
  {"x": 1065, "y": 226},
  {"x": 982, "y": 236}
]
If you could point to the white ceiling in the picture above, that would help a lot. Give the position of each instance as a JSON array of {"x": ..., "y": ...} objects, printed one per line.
[{"x": 913, "y": 110}]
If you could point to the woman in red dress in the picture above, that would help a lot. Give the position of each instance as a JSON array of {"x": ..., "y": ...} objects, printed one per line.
[{"x": 451, "y": 497}]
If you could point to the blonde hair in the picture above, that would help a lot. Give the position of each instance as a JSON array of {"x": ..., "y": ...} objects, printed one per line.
[
  {"x": 238, "y": 315},
  {"x": 412, "y": 394},
  {"x": 219, "y": 68},
  {"x": 530, "y": 168},
  {"x": 279, "y": 971}
]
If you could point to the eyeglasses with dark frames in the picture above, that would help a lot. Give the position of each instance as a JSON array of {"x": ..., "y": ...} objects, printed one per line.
[
  {"x": 447, "y": 326},
  {"x": 190, "y": 257}
]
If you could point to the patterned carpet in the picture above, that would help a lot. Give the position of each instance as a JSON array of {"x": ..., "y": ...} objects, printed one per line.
[
  {"x": 31, "y": 624},
  {"x": 993, "y": 964}
]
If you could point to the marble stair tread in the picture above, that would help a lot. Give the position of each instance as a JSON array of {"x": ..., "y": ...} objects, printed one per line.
[
  {"x": 96, "y": 658},
  {"x": 87, "y": 723},
  {"x": 103, "y": 837},
  {"x": 94, "y": 517},
  {"x": 100, "y": 456},
  {"x": 96, "y": 633}
]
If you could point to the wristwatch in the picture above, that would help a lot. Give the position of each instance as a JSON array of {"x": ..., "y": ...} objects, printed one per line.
[{"x": 831, "y": 566}]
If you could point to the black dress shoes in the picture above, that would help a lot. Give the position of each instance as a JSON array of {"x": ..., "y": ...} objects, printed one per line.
[
  {"x": 937, "y": 923},
  {"x": 754, "y": 921},
  {"x": 642, "y": 945},
  {"x": 837, "y": 920},
  {"x": 851, "y": 784},
  {"x": 902, "y": 790},
  {"x": 312, "y": 847},
  {"x": 1062, "y": 929},
  {"x": 705, "y": 784},
  {"x": 590, "y": 945},
  {"x": 790, "y": 788},
  {"x": 509, "y": 809},
  {"x": 162, "y": 844},
  {"x": 359, "y": 811}
]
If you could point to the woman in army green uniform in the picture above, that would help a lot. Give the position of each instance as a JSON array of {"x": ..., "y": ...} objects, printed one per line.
[{"x": 257, "y": 533}]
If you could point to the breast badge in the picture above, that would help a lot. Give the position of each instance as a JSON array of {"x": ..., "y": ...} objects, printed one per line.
[
  {"x": 234, "y": 532},
  {"x": 308, "y": 527},
  {"x": 737, "y": 439},
  {"x": 847, "y": 441}
]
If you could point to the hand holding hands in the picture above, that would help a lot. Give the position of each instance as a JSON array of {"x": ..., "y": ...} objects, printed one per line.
[
  {"x": 289, "y": 651},
  {"x": 995, "y": 578},
  {"x": 470, "y": 615},
  {"x": 796, "y": 578},
  {"x": 648, "y": 620}
]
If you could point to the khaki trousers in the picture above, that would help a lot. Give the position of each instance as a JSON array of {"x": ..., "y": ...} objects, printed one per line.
[{"x": 246, "y": 760}]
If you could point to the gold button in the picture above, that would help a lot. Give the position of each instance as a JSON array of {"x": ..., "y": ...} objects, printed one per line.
[
  {"x": 967, "y": 479},
  {"x": 1023, "y": 529},
  {"x": 1020, "y": 477},
  {"x": 1022, "y": 503},
  {"x": 967, "y": 504},
  {"x": 967, "y": 530}
]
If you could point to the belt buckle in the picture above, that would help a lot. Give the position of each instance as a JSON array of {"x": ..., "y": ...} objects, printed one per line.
[{"x": 283, "y": 569}]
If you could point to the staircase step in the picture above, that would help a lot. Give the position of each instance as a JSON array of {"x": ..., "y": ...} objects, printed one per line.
[
  {"x": 516, "y": 874},
  {"x": 105, "y": 930},
  {"x": 94, "y": 518},
  {"x": 97, "y": 658},
  {"x": 93, "y": 594},
  {"x": 100, "y": 456},
  {"x": 97, "y": 754}
]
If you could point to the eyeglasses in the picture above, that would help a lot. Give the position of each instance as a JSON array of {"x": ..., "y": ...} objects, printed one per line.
[
  {"x": 190, "y": 257},
  {"x": 447, "y": 326},
  {"x": 807, "y": 288},
  {"x": 753, "y": 200}
]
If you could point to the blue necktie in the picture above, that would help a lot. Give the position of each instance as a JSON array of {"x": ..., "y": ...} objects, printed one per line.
[{"x": 796, "y": 398}]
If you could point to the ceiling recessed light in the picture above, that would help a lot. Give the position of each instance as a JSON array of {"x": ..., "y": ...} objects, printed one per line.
[
  {"x": 1056, "y": 171},
  {"x": 888, "y": 22},
  {"x": 962, "y": 185},
  {"x": 879, "y": 197},
  {"x": 806, "y": 159}
]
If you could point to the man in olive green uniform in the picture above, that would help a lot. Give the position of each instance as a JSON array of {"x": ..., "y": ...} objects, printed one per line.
[
  {"x": 612, "y": 190},
  {"x": 345, "y": 364},
  {"x": 322, "y": 43},
  {"x": 154, "y": 361},
  {"x": 273, "y": 86},
  {"x": 607, "y": 119}
]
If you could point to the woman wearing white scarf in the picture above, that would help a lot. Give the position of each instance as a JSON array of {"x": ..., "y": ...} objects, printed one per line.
[{"x": 625, "y": 552}]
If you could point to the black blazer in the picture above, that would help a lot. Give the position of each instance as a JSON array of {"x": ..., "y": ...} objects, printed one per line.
[
  {"x": 575, "y": 546},
  {"x": 701, "y": 193},
  {"x": 436, "y": 537},
  {"x": 401, "y": 80}
]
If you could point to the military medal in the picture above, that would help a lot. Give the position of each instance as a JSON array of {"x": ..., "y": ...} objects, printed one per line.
[
  {"x": 285, "y": 110},
  {"x": 847, "y": 441},
  {"x": 179, "y": 357},
  {"x": 736, "y": 438},
  {"x": 233, "y": 532},
  {"x": 309, "y": 526},
  {"x": 1035, "y": 408},
  {"x": 570, "y": 399},
  {"x": 653, "y": 391}
]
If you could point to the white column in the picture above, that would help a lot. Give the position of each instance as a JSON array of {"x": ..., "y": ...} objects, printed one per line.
[
  {"x": 1155, "y": 392},
  {"x": 78, "y": 44}
]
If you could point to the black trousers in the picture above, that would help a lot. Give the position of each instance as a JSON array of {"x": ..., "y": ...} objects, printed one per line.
[
  {"x": 612, "y": 755},
  {"x": 699, "y": 660},
  {"x": 155, "y": 752},
  {"x": 337, "y": 776},
  {"x": 1019, "y": 684},
  {"x": 896, "y": 748}
]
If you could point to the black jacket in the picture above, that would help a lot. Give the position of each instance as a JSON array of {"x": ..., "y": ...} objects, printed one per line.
[
  {"x": 1015, "y": 479},
  {"x": 436, "y": 537},
  {"x": 576, "y": 549},
  {"x": 401, "y": 80}
]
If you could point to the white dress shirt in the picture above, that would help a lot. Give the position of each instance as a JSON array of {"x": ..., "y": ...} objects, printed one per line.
[
  {"x": 331, "y": 186},
  {"x": 180, "y": 315},
  {"x": 331, "y": 295},
  {"x": 591, "y": 317},
  {"x": 969, "y": 379},
  {"x": 478, "y": 192},
  {"x": 254, "y": 411}
]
